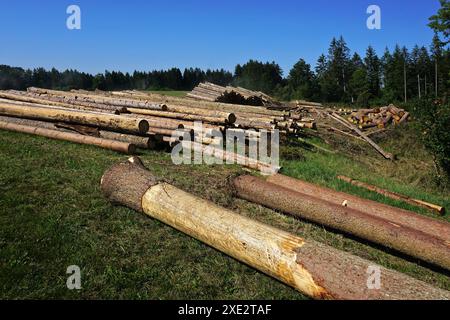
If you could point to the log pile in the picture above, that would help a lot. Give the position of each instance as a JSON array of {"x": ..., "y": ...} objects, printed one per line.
[
  {"x": 378, "y": 117},
  {"x": 138, "y": 117},
  {"x": 236, "y": 95}
]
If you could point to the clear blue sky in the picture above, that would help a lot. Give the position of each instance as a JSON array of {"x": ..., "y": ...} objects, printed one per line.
[{"x": 146, "y": 35}]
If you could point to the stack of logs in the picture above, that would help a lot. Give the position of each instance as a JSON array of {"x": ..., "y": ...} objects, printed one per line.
[
  {"x": 378, "y": 117},
  {"x": 235, "y": 95},
  {"x": 136, "y": 119}
]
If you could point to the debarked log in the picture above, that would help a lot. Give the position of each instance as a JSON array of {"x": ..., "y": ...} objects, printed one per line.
[
  {"x": 72, "y": 137},
  {"x": 315, "y": 269},
  {"x": 407, "y": 240},
  {"x": 109, "y": 121}
]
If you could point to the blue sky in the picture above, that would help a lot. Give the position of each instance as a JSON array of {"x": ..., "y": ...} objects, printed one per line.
[{"x": 147, "y": 35}]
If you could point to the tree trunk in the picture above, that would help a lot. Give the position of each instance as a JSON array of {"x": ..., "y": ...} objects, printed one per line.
[
  {"x": 395, "y": 196},
  {"x": 403, "y": 239},
  {"x": 440, "y": 229},
  {"x": 109, "y": 121},
  {"x": 314, "y": 269}
]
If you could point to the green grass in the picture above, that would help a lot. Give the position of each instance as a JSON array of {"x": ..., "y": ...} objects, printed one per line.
[
  {"x": 52, "y": 215},
  {"x": 172, "y": 93}
]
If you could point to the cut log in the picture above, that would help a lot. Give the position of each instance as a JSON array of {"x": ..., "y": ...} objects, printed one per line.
[
  {"x": 362, "y": 135},
  {"x": 413, "y": 242},
  {"x": 101, "y": 100},
  {"x": 148, "y": 142},
  {"x": 344, "y": 133},
  {"x": 109, "y": 121},
  {"x": 231, "y": 157},
  {"x": 72, "y": 137},
  {"x": 404, "y": 117},
  {"x": 230, "y": 118},
  {"x": 314, "y": 269},
  {"x": 394, "y": 195},
  {"x": 65, "y": 102},
  {"x": 440, "y": 229},
  {"x": 199, "y": 111}
]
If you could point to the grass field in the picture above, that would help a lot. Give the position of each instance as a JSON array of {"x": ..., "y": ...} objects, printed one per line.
[
  {"x": 52, "y": 215},
  {"x": 170, "y": 92}
]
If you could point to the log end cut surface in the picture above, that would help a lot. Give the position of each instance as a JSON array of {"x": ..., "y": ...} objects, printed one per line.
[
  {"x": 126, "y": 182},
  {"x": 143, "y": 126}
]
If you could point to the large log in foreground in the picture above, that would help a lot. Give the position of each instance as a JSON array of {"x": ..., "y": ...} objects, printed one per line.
[
  {"x": 440, "y": 229},
  {"x": 413, "y": 242},
  {"x": 315, "y": 269},
  {"x": 72, "y": 137},
  {"x": 103, "y": 120}
]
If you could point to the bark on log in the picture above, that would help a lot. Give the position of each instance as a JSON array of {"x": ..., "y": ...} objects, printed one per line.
[
  {"x": 381, "y": 231},
  {"x": 394, "y": 195},
  {"x": 140, "y": 142},
  {"x": 440, "y": 229},
  {"x": 314, "y": 269},
  {"x": 344, "y": 133},
  {"x": 31, "y": 101},
  {"x": 72, "y": 137},
  {"x": 229, "y": 118},
  {"x": 64, "y": 102},
  {"x": 200, "y": 111},
  {"x": 102, "y": 100},
  {"x": 96, "y": 119}
]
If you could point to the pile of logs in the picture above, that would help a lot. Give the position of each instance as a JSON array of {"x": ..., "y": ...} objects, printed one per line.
[
  {"x": 235, "y": 95},
  {"x": 138, "y": 118},
  {"x": 378, "y": 117}
]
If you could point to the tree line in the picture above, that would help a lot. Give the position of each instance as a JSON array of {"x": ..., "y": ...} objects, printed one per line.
[
  {"x": 173, "y": 79},
  {"x": 338, "y": 76}
]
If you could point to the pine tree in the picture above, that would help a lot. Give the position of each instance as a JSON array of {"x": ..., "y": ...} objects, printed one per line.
[
  {"x": 301, "y": 81},
  {"x": 372, "y": 65}
]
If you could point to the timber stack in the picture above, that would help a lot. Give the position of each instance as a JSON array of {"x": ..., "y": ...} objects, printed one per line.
[
  {"x": 144, "y": 119},
  {"x": 378, "y": 117},
  {"x": 235, "y": 95}
]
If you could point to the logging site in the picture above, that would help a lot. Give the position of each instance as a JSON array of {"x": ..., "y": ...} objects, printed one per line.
[{"x": 229, "y": 186}]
